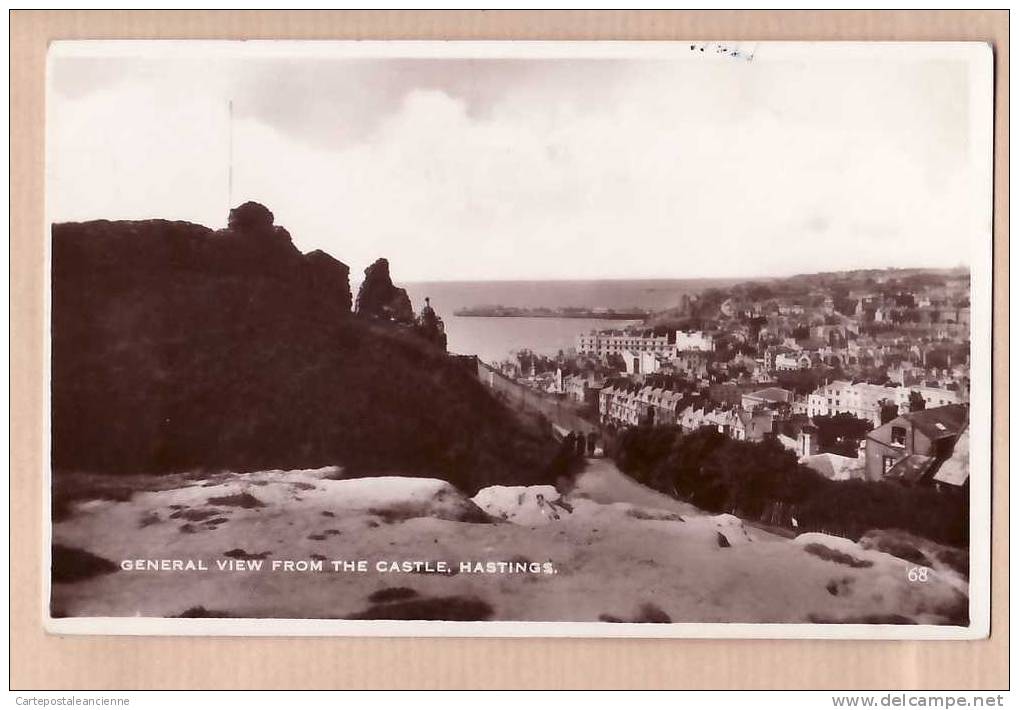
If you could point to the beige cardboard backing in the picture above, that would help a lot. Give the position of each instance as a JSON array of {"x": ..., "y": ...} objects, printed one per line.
[{"x": 39, "y": 661}]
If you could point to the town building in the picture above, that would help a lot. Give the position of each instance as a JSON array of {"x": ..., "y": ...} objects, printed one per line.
[
  {"x": 861, "y": 400},
  {"x": 864, "y": 401},
  {"x": 912, "y": 447},
  {"x": 693, "y": 418},
  {"x": 694, "y": 340},
  {"x": 769, "y": 397},
  {"x": 932, "y": 396},
  {"x": 658, "y": 405},
  {"x": 642, "y": 362},
  {"x": 632, "y": 406},
  {"x": 619, "y": 405},
  {"x": 835, "y": 467},
  {"x": 732, "y": 392},
  {"x": 693, "y": 363},
  {"x": 953, "y": 474},
  {"x": 582, "y": 389},
  {"x": 607, "y": 342},
  {"x": 784, "y": 358},
  {"x": 798, "y": 434},
  {"x": 752, "y": 425}
]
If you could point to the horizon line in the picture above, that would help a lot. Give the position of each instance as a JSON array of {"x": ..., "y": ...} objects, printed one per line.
[{"x": 958, "y": 267}]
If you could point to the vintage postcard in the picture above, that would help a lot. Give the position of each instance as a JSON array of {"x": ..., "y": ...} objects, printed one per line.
[{"x": 519, "y": 338}]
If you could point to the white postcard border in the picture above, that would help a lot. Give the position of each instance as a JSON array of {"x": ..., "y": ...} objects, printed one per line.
[{"x": 980, "y": 58}]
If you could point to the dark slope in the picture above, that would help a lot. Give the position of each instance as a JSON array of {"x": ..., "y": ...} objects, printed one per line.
[{"x": 178, "y": 348}]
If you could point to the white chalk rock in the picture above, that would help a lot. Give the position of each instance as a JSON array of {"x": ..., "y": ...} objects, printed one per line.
[{"x": 523, "y": 505}]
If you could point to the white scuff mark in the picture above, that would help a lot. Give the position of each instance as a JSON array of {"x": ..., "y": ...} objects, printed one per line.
[{"x": 732, "y": 50}]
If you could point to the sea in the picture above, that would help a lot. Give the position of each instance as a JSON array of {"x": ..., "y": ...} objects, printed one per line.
[{"x": 496, "y": 339}]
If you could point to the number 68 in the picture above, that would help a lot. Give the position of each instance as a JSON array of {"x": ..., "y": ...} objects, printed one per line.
[{"x": 918, "y": 574}]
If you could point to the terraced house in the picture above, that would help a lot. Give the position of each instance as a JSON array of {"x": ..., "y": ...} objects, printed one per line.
[{"x": 625, "y": 406}]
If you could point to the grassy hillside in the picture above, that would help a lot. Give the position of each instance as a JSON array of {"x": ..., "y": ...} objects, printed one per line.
[{"x": 177, "y": 348}]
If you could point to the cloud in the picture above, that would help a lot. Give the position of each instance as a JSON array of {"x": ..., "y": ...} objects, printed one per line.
[{"x": 583, "y": 170}]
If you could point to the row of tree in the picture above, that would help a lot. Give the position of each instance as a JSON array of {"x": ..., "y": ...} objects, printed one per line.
[{"x": 764, "y": 482}]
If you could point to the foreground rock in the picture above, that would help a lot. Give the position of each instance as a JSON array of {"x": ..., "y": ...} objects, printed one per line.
[{"x": 531, "y": 554}]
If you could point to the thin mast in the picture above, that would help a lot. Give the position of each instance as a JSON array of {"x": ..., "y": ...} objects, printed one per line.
[{"x": 230, "y": 155}]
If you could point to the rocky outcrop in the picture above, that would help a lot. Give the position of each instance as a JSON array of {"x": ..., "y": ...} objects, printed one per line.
[
  {"x": 255, "y": 241},
  {"x": 180, "y": 348},
  {"x": 251, "y": 246},
  {"x": 379, "y": 298},
  {"x": 252, "y": 218},
  {"x": 430, "y": 326},
  {"x": 329, "y": 279}
]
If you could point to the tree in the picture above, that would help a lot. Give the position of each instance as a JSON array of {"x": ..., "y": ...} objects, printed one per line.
[
  {"x": 841, "y": 434},
  {"x": 615, "y": 361},
  {"x": 916, "y": 401},
  {"x": 801, "y": 382},
  {"x": 763, "y": 481},
  {"x": 889, "y": 411},
  {"x": 759, "y": 292},
  {"x": 845, "y": 305}
]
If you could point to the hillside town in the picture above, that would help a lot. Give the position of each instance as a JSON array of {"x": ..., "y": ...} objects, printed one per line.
[{"x": 863, "y": 375}]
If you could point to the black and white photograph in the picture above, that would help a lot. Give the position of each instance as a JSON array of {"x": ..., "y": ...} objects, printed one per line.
[{"x": 420, "y": 338}]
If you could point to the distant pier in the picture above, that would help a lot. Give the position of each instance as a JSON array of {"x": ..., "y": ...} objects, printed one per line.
[{"x": 541, "y": 312}]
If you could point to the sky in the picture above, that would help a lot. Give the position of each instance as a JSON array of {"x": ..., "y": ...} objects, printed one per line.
[{"x": 564, "y": 164}]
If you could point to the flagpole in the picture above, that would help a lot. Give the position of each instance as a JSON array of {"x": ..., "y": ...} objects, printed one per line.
[{"x": 230, "y": 156}]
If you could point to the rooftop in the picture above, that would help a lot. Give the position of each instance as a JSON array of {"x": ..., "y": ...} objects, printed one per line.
[
  {"x": 955, "y": 471},
  {"x": 939, "y": 422}
]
